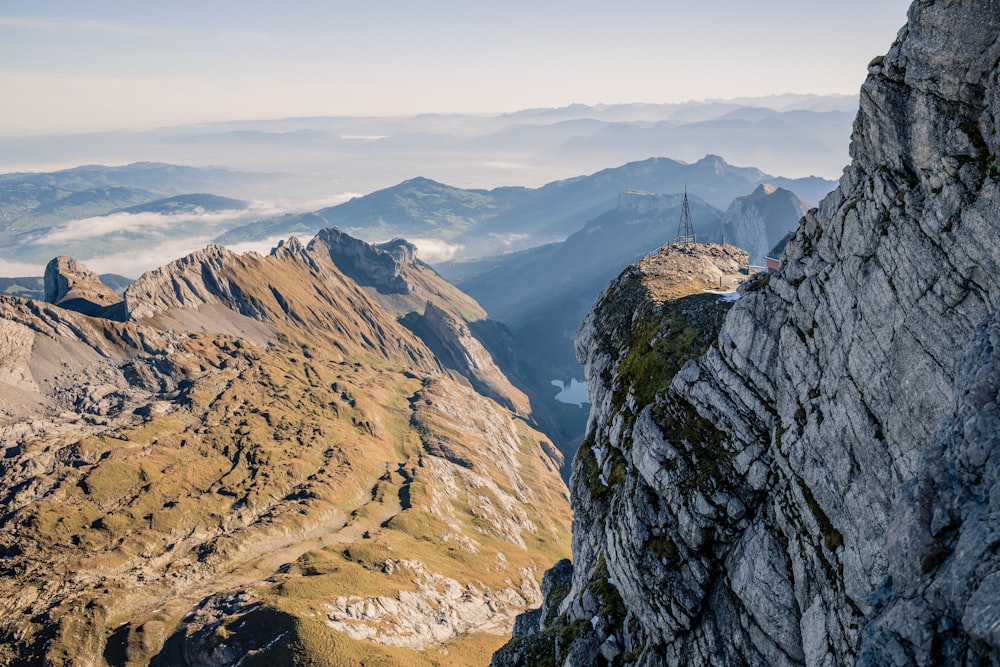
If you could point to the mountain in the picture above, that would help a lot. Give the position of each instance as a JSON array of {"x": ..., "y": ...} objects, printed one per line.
[
  {"x": 187, "y": 203},
  {"x": 46, "y": 214},
  {"x": 819, "y": 484},
  {"x": 560, "y": 208},
  {"x": 253, "y": 461},
  {"x": 418, "y": 207},
  {"x": 575, "y": 271},
  {"x": 758, "y": 221},
  {"x": 539, "y": 322},
  {"x": 810, "y": 141},
  {"x": 321, "y": 157},
  {"x": 155, "y": 177},
  {"x": 71, "y": 285},
  {"x": 543, "y": 321},
  {"x": 689, "y": 110},
  {"x": 480, "y": 223},
  {"x": 29, "y": 208}
]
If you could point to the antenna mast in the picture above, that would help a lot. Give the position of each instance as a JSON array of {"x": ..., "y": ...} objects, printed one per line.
[{"x": 685, "y": 231}]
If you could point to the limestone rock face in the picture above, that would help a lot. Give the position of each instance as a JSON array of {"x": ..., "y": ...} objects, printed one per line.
[
  {"x": 453, "y": 343},
  {"x": 940, "y": 603},
  {"x": 70, "y": 284},
  {"x": 378, "y": 267},
  {"x": 16, "y": 341},
  {"x": 806, "y": 491},
  {"x": 188, "y": 282},
  {"x": 440, "y": 610},
  {"x": 759, "y": 220}
]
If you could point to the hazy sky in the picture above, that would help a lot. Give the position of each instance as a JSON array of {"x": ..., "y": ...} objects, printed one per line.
[{"x": 72, "y": 66}]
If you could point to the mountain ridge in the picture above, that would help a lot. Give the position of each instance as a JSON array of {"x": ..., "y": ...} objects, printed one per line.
[
  {"x": 255, "y": 450},
  {"x": 815, "y": 488},
  {"x": 509, "y": 219}
]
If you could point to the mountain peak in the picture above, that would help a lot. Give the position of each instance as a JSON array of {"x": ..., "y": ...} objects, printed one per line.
[
  {"x": 210, "y": 483},
  {"x": 366, "y": 264},
  {"x": 70, "y": 284}
]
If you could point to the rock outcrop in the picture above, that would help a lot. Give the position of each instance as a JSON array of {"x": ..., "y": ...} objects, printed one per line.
[
  {"x": 820, "y": 486},
  {"x": 71, "y": 285},
  {"x": 454, "y": 345},
  {"x": 369, "y": 265},
  {"x": 195, "y": 280},
  {"x": 761, "y": 219}
]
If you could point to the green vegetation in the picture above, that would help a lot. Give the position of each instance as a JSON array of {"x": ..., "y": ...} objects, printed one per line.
[
  {"x": 418, "y": 207},
  {"x": 548, "y": 648},
  {"x": 757, "y": 282},
  {"x": 663, "y": 340},
  {"x": 832, "y": 539},
  {"x": 192, "y": 203},
  {"x": 700, "y": 443},
  {"x": 612, "y": 605},
  {"x": 663, "y": 548},
  {"x": 296, "y": 439}
]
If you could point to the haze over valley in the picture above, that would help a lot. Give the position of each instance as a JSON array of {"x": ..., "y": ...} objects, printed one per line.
[{"x": 451, "y": 335}]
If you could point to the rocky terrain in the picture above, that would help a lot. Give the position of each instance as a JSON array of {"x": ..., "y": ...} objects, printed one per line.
[
  {"x": 255, "y": 462},
  {"x": 70, "y": 284},
  {"x": 818, "y": 485},
  {"x": 759, "y": 220}
]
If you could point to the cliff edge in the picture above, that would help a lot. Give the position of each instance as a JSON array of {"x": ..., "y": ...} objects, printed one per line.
[{"x": 820, "y": 486}]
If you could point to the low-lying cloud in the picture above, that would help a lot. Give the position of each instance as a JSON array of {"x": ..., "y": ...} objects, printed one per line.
[
  {"x": 152, "y": 223},
  {"x": 435, "y": 250},
  {"x": 510, "y": 239},
  {"x": 20, "y": 269},
  {"x": 133, "y": 264},
  {"x": 172, "y": 236}
]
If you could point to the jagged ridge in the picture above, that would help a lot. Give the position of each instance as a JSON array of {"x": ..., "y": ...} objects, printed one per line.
[{"x": 256, "y": 454}]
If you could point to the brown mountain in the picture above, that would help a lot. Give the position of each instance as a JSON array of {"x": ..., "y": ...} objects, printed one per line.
[{"x": 259, "y": 464}]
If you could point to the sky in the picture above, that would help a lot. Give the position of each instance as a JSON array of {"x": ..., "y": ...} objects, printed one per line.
[{"x": 70, "y": 66}]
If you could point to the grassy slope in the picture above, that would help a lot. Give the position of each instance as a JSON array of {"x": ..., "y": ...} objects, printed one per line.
[{"x": 285, "y": 454}]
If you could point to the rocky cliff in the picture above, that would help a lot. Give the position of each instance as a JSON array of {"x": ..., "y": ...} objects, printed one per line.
[
  {"x": 259, "y": 465},
  {"x": 820, "y": 486},
  {"x": 454, "y": 345},
  {"x": 759, "y": 220},
  {"x": 73, "y": 286}
]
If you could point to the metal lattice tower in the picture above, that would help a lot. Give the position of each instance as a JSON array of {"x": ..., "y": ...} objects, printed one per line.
[{"x": 685, "y": 231}]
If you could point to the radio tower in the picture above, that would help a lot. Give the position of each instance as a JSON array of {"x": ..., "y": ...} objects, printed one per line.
[{"x": 685, "y": 232}]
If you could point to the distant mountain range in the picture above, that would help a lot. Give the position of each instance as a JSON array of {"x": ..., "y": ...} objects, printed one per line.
[
  {"x": 418, "y": 207},
  {"x": 795, "y": 135},
  {"x": 480, "y": 223},
  {"x": 130, "y": 218},
  {"x": 543, "y": 293},
  {"x": 72, "y": 212}
]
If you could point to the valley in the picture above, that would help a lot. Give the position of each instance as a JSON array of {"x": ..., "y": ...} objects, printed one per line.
[
  {"x": 251, "y": 446},
  {"x": 466, "y": 388}
]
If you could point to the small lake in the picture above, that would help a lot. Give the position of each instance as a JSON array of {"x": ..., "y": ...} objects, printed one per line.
[{"x": 574, "y": 393}]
